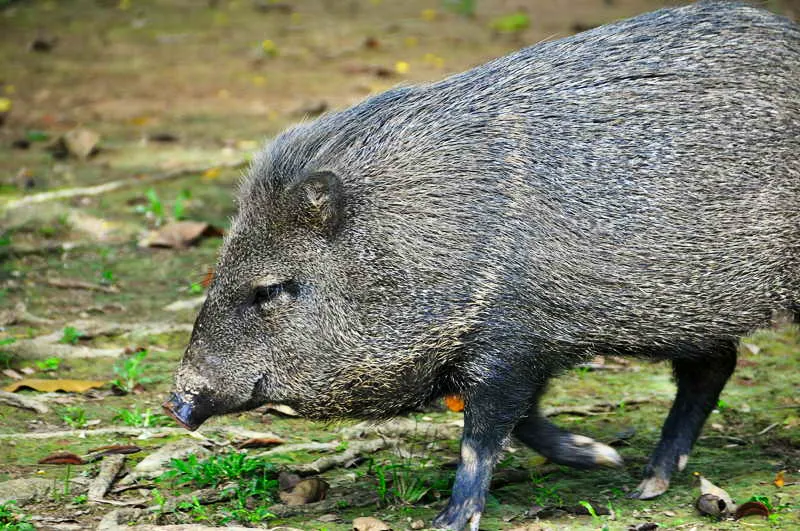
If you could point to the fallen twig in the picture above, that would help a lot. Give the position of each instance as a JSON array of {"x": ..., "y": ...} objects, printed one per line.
[
  {"x": 143, "y": 433},
  {"x": 118, "y": 185},
  {"x": 769, "y": 428},
  {"x": 110, "y": 522},
  {"x": 50, "y": 345},
  {"x": 20, "y": 315},
  {"x": 300, "y": 447},
  {"x": 71, "y": 283},
  {"x": 23, "y": 402},
  {"x": 354, "y": 449},
  {"x": 401, "y": 427},
  {"x": 597, "y": 408},
  {"x": 109, "y": 469},
  {"x": 332, "y": 504}
]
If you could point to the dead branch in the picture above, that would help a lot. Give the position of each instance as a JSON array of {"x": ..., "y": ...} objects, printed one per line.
[
  {"x": 354, "y": 449},
  {"x": 48, "y": 345},
  {"x": 71, "y": 283},
  {"x": 20, "y": 315},
  {"x": 300, "y": 447},
  {"x": 111, "y": 522},
  {"x": 332, "y": 504},
  {"x": 23, "y": 402},
  {"x": 598, "y": 408},
  {"x": 400, "y": 428},
  {"x": 144, "y": 433},
  {"x": 109, "y": 469},
  {"x": 112, "y": 186}
]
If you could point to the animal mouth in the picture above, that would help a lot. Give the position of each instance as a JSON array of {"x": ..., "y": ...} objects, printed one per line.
[{"x": 185, "y": 412}]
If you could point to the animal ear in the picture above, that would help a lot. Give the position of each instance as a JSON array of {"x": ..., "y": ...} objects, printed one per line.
[{"x": 318, "y": 201}]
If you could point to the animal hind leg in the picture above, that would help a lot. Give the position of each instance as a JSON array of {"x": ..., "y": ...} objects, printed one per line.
[
  {"x": 561, "y": 446},
  {"x": 700, "y": 381}
]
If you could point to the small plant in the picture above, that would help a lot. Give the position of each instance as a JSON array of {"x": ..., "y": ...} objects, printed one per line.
[
  {"x": 12, "y": 520},
  {"x": 49, "y": 364},
  {"x": 252, "y": 478},
  {"x": 154, "y": 206},
  {"x": 108, "y": 276},
  {"x": 130, "y": 372},
  {"x": 141, "y": 419},
  {"x": 407, "y": 483},
  {"x": 179, "y": 207},
  {"x": 512, "y": 24},
  {"x": 195, "y": 509},
  {"x": 80, "y": 499},
  {"x": 6, "y": 356},
  {"x": 75, "y": 417},
  {"x": 196, "y": 288},
  {"x": 545, "y": 493},
  {"x": 71, "y": 335}
]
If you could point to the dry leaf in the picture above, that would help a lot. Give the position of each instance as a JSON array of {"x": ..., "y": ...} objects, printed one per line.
[
  {"x": 51, "y": 386},
  {"x": 752, "y": 508},
  {"x": 779, "y": 481},
  {"x": 713, "y": 500},
  {"x": 454, "y": 403},
  {"x": 112, "y": 449},
  {"x": 368, "y": 523},
  {"x": 11, "y": 373},
  {"x": 263, "y": 442},
  {"x": 712, "y": 505},
  {"x": 180, "y": 234},
  {"x": 62, "y": 458},
  {"x": 306, "y": 491},
  {"x": 80, "y": 142}
]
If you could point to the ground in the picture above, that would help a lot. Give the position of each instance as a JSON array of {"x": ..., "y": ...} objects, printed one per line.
[{"x": 200, "y": 85}]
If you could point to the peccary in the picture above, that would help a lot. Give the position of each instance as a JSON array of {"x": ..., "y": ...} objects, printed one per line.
[{"x": 632, "y": 190}]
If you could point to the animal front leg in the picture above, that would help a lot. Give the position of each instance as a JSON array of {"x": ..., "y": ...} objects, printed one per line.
[{"x": 489, "y": 416}]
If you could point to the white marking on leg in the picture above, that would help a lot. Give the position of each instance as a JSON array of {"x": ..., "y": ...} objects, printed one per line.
[
  {"x": 682, "y": 462},
  {"x": 469, "y": 458}
]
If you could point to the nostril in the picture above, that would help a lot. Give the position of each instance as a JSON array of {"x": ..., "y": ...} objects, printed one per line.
[{"x": 182, "y": 411}]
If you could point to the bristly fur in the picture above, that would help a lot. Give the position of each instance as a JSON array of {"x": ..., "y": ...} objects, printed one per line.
[{"x": 634, "y": 189}]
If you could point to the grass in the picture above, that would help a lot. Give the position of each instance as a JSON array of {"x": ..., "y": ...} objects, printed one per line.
[
  {"x": 138, "y": 418},
  {"x": 11, "y": 519},
  {"x": 130, "y": 372},
  {"x": 253, "y": 481}
]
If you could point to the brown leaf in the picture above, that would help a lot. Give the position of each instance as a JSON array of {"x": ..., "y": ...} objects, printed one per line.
[
  {"x": 706, "y": 487},
  {"x": 263, "y": 442},
  {"x": 368, "y": 523},
  {"x": 752, "y": 508},
  {"x": 112, "y": 449},
  {"x": 306, "y": 491},
  {"x": 62, "y": 458},
  {"x": 180, "y": 234},
  {"x": 51, "y": 386},
  {"x": 712, "y": 505},
  {"x": 80, "y": 142}
]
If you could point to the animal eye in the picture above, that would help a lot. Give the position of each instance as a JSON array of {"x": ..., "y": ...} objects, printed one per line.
[{"x": 271, "y": 292}]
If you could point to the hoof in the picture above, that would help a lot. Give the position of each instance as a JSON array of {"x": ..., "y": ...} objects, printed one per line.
[
  {"x": 650, "y": 488},
  {"x": 601, "y": 454},
  {"x": 453, "y": 520}
]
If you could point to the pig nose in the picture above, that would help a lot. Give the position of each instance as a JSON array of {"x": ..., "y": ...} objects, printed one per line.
[{"x": 184, "y": 412}]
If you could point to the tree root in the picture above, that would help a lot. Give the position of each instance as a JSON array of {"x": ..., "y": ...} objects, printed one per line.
[
  {"x": 354, "y": 450},
  {"x": 23, "y": 402},
  {"x": 112, "y": 186}
]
